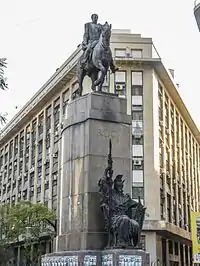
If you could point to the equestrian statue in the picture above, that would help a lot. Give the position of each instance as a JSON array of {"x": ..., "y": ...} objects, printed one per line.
[
  {"x": 123, "y": 216},
  {"x": 97, "y": 56}
]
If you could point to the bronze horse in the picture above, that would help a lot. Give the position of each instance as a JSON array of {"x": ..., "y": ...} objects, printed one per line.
[{"x": 100, "y": 60}]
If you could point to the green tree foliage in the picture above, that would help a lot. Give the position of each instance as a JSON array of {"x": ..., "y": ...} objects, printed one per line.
[{"x": 26, "y": 222}]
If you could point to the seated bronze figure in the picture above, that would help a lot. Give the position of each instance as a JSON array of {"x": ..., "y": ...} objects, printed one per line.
[{"x": 123, "y": 216}]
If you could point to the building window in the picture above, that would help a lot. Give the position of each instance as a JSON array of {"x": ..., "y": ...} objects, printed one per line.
[
  {"x": 137, "y": 139},
  {"x": 75, "y": 92},
  {"x": 137, "y": 115},
  {"x": 137, "y": 163},
  {"x": 137, "y": 90},
  {"x": 170, "y": 245},
  {"x": 120, "y": 52},
  {"x": 136, "y": 53},
  {"x": 120, "y": 83},
  {"x": 137, "y": 192},
  {"x": 137, "y": 78},
  {"x": 65, "y": 101}
]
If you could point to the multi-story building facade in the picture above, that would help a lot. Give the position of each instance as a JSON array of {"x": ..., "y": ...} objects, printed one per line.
[{"x": 165, "y": 143}]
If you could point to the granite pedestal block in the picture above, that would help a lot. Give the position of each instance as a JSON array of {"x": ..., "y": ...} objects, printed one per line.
[
  {"x": 111, "y": 257},
  {"x": 92, "y": 120}
]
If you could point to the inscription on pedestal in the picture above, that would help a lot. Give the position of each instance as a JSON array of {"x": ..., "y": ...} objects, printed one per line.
[
  {"x": 90, "y": 260},
  {"x": 60, "y": 261},
  {"x": 108, "y": 134},
  {"x": 130, "y": 260},
  {"x": 107, "y": 260}
]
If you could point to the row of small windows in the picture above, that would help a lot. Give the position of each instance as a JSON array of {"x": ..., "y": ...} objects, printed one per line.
[
  {"x": 179, "y": 162},
  {"x": 120, "y": 79}
]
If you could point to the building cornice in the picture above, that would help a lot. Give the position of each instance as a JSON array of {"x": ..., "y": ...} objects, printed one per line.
[
  {"x": 54, "y": 80},
  {"x": 66, "y": 72},
  {"x": 172, "y": 89}
]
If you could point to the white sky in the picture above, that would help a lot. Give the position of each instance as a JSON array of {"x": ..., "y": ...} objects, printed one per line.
[{"x": 37, "y": 36}]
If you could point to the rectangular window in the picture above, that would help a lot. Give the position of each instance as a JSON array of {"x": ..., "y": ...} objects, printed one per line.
[
  {"x": 136, "y": 53},
  {"x": 65, "y": 97},
  {"x": 137, "y": 115},
  {"x": 120, "y": 83},
  {"x": 137, "y": 139},
  {"x": 74, "y": 90},
  {"x": 137, "y": 192},
  {"x": 137, "y": 78},
  {"x": 120, "y": 52},
  {"x": 137, "y": 90}
]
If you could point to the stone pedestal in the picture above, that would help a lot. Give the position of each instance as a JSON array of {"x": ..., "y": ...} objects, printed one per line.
[
  {"x": 111, "y": 257},
  {"x": 92, "y": 120}
]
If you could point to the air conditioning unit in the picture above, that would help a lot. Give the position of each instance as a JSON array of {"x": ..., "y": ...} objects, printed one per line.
[
  {"x": 55, "y": 155},
  {"x": 56, "y": 133},
  {"x": 32, "y": 189},
  {"x": 27, "y": 154},
  {"x": 15, "y": 163},
  {"x": 137, "y": 162},
  {"x": 19, "y": 195},
  {"x": 46, "y": 182},
  {"x": 21, "y": 159},
  {"x": 120, "y": 86}
]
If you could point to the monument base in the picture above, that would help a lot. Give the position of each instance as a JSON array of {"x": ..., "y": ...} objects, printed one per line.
[{"x": 112, "y": 257}]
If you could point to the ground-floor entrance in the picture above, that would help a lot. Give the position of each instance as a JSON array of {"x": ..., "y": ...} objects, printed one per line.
[{"x": 167, "y": 251}]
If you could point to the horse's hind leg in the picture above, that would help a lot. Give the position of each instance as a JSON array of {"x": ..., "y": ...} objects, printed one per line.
[
  {"x": 93, "y": 77},
  {"x": 100, "y": 80},
  {"x": 80, "y": 77}
]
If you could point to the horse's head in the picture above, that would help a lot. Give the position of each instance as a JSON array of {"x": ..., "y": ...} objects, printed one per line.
[{"x": 106, "y": 32}]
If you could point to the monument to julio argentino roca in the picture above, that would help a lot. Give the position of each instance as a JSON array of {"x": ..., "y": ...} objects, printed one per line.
[{"x": 99, "y": 223}]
